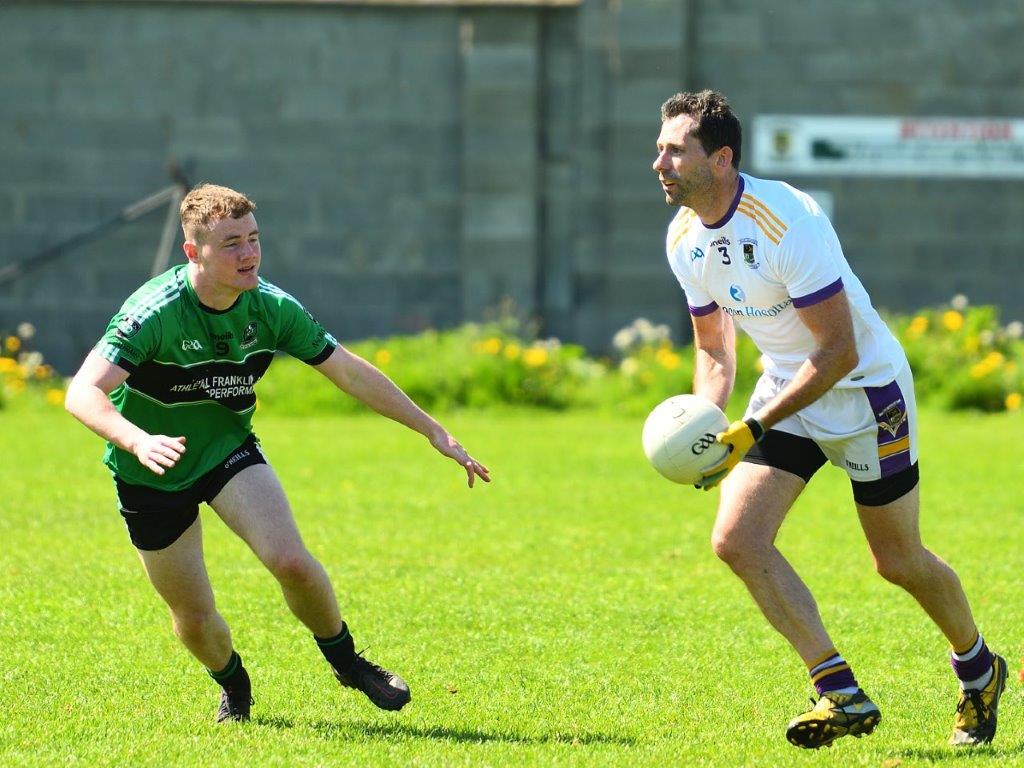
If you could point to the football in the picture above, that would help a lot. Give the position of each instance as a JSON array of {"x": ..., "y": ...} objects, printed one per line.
[{"x": 679, "y": 437}]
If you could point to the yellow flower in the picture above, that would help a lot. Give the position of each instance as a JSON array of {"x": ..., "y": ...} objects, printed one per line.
[
  {"x": 382, "y": 357},
  {"x": 492, "y": 346},
  {"x": 43, "y": 371},
  {"x": 1013, "y": 401},
  {"x": 668, "y": 359},
  {"x": 12, "y": 343},
  {"x": 991, "y": 362},
  {"x": 55, "y": 396},
  {"x": 952, "y": 320},
  {"x": 7, "y": 364},
  {"x": 512, "y": 351},
  {"x": 995, "y": 359},
  {"x": 15, "y": 386},
  {"x": 917, "y": 326},
  {"x": 535, "y": 357}
]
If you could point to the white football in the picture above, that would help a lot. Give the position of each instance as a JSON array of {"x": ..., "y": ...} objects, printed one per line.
[{"x": 679, "y": 437}]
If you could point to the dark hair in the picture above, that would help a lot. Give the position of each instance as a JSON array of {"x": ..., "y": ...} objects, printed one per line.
[{"x": 716, "y": 127}]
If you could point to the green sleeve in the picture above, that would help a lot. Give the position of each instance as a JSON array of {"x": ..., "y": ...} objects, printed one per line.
[
  {"x": 301, "y": 335},
  {"x": 130, "y": 339}
]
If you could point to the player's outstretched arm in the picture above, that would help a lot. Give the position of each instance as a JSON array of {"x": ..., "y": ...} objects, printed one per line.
[
  {"x": 87, "y": 401},
  {"x": 354, "y": 375}
]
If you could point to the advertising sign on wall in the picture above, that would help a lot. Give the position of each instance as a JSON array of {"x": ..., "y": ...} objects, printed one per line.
[{"x": 791, "y": 145}]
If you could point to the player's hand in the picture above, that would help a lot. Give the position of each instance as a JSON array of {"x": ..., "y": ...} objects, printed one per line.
[
  {"x": 450, "y": 447},
  {"x": 157, "y": 452},
  {"x": 739, "y": 437}
]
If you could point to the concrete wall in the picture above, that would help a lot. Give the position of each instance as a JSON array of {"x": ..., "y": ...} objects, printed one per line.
[{"x": 415, "y": 166}]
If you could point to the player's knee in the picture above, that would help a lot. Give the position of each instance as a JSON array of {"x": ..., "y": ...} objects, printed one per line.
[
  {"x": 193, "y": 624},
  {"x": 733, "y": 548},
  {"x": 903, "y": 570},
  {"x": 295, "y": 566}
]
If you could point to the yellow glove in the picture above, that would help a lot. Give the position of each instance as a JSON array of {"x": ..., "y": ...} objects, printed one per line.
[{"x": 739, "y": 437}]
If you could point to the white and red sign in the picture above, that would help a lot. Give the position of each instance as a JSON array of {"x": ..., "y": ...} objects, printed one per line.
[{"x": 889, "y": 146}]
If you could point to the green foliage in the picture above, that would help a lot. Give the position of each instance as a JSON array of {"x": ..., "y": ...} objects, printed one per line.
[
  {"x": 962, "y": 357},
  {"x": 472, "y": 366}
]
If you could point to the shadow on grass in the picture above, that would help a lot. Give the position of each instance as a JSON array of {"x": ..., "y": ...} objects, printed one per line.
[{"x": 350, "y": 731}]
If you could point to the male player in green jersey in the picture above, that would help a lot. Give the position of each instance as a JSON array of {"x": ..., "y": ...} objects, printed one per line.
[{"x": 170, "y": 387}]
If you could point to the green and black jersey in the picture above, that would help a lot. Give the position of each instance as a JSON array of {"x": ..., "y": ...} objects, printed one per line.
[{"x": 192, "y": 369}]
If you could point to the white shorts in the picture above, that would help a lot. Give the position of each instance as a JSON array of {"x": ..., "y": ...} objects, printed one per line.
[{"x": 869, "y": 432}]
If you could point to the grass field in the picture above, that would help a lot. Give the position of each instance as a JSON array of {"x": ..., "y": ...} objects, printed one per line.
[{"x": 571, "y": 613}]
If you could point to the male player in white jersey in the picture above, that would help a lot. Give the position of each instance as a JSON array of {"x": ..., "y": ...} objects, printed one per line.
[{"x": 836, "y": 387}]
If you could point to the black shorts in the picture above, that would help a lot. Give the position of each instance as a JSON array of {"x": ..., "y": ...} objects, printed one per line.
[
  {"x": 156, "y": 519},
  {"x": 802, "y": 457}
]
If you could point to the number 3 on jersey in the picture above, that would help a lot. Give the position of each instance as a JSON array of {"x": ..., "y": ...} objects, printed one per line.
[{"x": 725, "y": 254}]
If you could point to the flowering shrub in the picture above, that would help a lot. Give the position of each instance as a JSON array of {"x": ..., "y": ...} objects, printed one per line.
[
  {"x": 23, "y": 374},
  {"x": 648, "y": 368},
  {"x": 502, "y": 363},
  {"x": 475, "y": 365},
  {"x": 962, "y": 357}
]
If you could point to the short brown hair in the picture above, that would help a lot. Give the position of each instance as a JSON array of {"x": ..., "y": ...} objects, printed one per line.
[
  {"x": 207, "y": 204},
  {"x": 716, "y": 124}
]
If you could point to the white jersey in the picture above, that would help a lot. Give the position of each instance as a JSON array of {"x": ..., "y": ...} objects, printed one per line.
[{"x": 773, "y": 252}]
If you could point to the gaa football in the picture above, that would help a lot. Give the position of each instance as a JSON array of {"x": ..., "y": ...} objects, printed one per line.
[{"x": 679, "y": 437}]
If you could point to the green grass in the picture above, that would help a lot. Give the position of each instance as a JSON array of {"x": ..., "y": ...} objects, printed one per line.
[{"x": 571, "y": 613}]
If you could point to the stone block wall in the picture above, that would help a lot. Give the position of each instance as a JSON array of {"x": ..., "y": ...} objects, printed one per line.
[{"x": 414, "y": 166}]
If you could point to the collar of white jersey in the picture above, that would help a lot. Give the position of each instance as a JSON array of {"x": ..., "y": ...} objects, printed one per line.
[{"x": 732, "y": 206}]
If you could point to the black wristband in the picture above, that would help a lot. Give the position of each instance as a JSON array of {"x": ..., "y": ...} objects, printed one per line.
[{"x": 755, "y": 428}]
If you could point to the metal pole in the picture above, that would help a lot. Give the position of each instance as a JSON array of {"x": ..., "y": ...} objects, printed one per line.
[{"x": 163, "y": 252}]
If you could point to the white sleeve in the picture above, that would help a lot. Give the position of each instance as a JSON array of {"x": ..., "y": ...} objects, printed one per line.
[
  {"x": 697, "y": 299},
  {"x": 806, "y": 263}
]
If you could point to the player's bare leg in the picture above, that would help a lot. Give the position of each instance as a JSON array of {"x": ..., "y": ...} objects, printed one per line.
[
  {"x": 755, "y": 500},
  {"x": 254, "y": 506},
  {"x": 179, "y": 575},
  {"x": 894, "y": 535},
  {"x": 895, "y": 539}
]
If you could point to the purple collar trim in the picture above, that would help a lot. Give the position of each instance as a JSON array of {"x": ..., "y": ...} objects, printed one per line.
[{"x": 732, "y": 207}]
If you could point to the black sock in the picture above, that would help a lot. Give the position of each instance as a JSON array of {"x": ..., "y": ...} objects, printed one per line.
[
  {"x": 340, "y": 650},
  {"x": 233, "y": 676}
]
